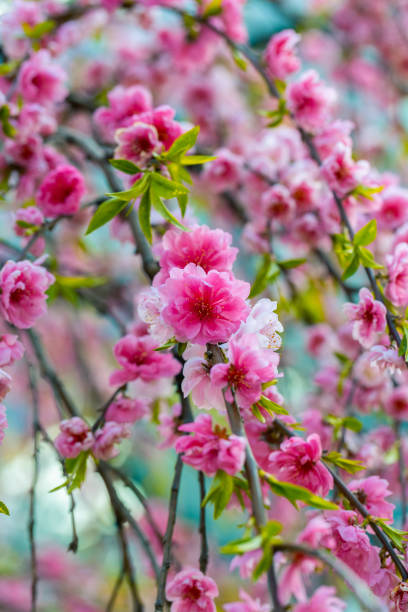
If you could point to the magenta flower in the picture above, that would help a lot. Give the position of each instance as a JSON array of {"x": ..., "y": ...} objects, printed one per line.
[
  {"x": 210, "y": 449},
  {"x": 207, "y": 248},
  {"x": 298, "y": 461},
  {"x": 247, "y": 604},
  {"x": 394, "y": 208},
  {"x": 278, "y": 205},
  {"x": 23, "y": 298},
  {"x": 369, "y": 317},
  {"x": 323, "y": 600},
  {"x": 224, "y": 172},
  {"x": 310, "y": 101},
  {"x": 280, "y": 56},
  {"x": 372, "y": 492},
  {"x": 137, "y": 143},
  {"x": 41, "y": 80},
  {"x": 249, "y": 366},
  {"x": 162, "y": 118},
  {"x": 396, "y": 404},
  {"x": 126, "y": 410},
  {"x": 11, "y": 350},
  {"x": 105, "y": 439},
  {"x": 61, "y": 191},
  {"x": 125, "y": 103},
  {"x": 138, "y": 359},
  {"x": 341, "y": 172},
  {"x": 397, "y": 288},
  {"x": 74, "y": 438},
  {"x": 204, "y": 307},
  {"x": 191, "y": 591}
]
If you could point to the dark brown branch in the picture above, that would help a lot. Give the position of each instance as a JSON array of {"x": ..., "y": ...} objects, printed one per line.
[
  {"x": 32, "y": 510},
  {"x": 203, "y": 561}
]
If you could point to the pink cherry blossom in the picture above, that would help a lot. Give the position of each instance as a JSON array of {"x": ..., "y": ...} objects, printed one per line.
[
  {"x": 162, "y": 118},
  {"x": 369, "y": 317},
  {"x": 105, "y": 439},
  {"x": 396, "y": 404},
  {"x": 280, "y": 56},
  {"x": 342, "y": 173},
  {"x": 210, "y": 448},
  {"x": 41, "y": 80},
  {"x": 3, "y": 422},
  {"x": 125, "y": 103},
  {"x": 394, "y": 208},
  {"x": 197, "y": 382},
  {"x": 263, "y": 321},
  {"x": 75, "y": 437},
  {"x": 210, "y": 249},
  {"x": 126, "y": 410},
  {"x": 310, "y": 101},
  {"x": 298, "y": 461},
  {"x": 278, "y": 205},
  {"x": 204, "y": 307},
  {"x": 224, "y": 172},
  {"x": 397, "y": 288},
  {"x": 138, "y": 358},
  {"x": 247, "y": 604},
  {"x": 372, "y": 492},
  {"x": 61, "y": 191},
  {"x": 386, "y": 359},
  {"x": 323, "y": 600},
  {"x": 23, "y": 299},
  {"x": 320, "y": 340},
  {"x": 191, "y": 591},
  {"x": 137, "y": 143},
  {"x": 249, "y": 366},
  {"x": 11, "y": 350}
]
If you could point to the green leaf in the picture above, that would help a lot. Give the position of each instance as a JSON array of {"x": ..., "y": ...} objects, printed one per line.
[
  {"x": 265, "y": 273},
  {"x": 242, "y": 545},
  {"x": 263, "y": 565},
  {"x": 349, "y": 465},
  {"x": 365, "y": 191},
  {"x": 403, "y": 347},
  {"x": 4, "y": 509},
  {"x": 76, "y": 471},
  {"x": 194, "y": 160},
  {"x": 239, "y": 59},
  {"x": 137, "y": 189},
  {"x": 8, "y": 129},
  {"x": 295, "y": 493},
  {"x": 165, "y": 188},
  {"x": 8, "y": 67},
  {"x": 338, "y": 423},
  {"x": 182, "y": 201},
  {"x": 397, "y": 536},
  {"x": 167, "y": 345},
  {"x": 291, "y": 263},
  {"x": 144, "y": 215},
  {"x": 39, "y": 30},
  {"x": 213, "y": 8},
  {"x": 27, "y": 225},
  {"x": 367, "y": 258},
  {"x": 220, "y": 492},
  {"x": 271, "y": 407},
  {"x": 366, "y": 234},
  {"x": 76, "y": 282},
  {"x": 182, "y": 144},
  {"x": 352, "y": 267},
  {"x": 257, "y": 413},
  {"x": 104, "y": 213},
  {"x": 164, "y": 211},
  {"x": 125, "y": 166}
]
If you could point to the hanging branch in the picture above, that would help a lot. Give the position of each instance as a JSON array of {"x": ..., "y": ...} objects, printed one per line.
[
  {"x": 32, "y": 509},
  {"x": 203, "y": 561}
]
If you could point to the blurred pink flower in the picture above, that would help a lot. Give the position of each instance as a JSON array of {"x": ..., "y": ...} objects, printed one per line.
[
  {"x": 191, "y": 591},
  {"x": 74, "y": 438}
]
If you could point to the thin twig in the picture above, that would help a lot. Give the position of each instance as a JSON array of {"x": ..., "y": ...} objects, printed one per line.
[
  {"x": 203, "y": 561},
  {"x": 32, "y": 510}
]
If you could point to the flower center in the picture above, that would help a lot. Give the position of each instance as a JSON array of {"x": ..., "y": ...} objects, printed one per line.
[{"x": 203, "y": 309}]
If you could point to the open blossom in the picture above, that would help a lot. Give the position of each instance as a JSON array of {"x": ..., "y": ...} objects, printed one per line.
[
  {"x": 61, "y": 191},
  {"x": 5, "y": 384},
  {"x": 263, "y": 321},
  {"x": 277, "y": 204},
  {"x": 396, "y": 404},
  {"x": 137, "y": 143},
  {"x": 224, "y": 172},
  {"x": 249, "y": 366},
  {"x": 197, "y": 382},
  {"x": 299, "y": 461},
  {"x": 138, "y": 358},
  {"x": 369, "y": 317},
  {"x": 399, "y": 597},
  {"x": 397, "y": 288},
  {"x": 386, "y": 359},
  {"x": 342, "y": 173},
  {"x": 310, "y": 101},
  {"x": 191, "y": 591},
  {"x": 394, "y": 208},
  {"x": 204, "y": 307},
  {"x": 320, "y": 340},
  {"x": 107, "y": 437},
  {"x": 323, "y": 600},
  {"x": 23, "y": 299},
  {"x": 208, "y": 248},
  {"x": 372, "y": 492},
  {"x": 210, "y": 449},
  {"x": 11, "y": 350},
  {"x": 125, "y": 103},
  {"x": 162, "y": 119},
  {"x": 247, "y": 604},
  {"x": 280, "y": 55},
  {"x": 74, "y": 438},
  {"x": 126, "y": 410},
  {"x": 41, "y": 80}
]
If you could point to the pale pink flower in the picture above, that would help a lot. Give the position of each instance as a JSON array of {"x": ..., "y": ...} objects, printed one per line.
[
  {"x": 224, "y": 172},
  {"x": 197, "y": 382},
  {"x": 204, "y": 307},
  {"x": 386, "y": 359},
  {"x": 320, "y": 340},
  {"x": 11, "y": 350},
  {"x": 41, "y": 80},
  {"x": 75, "y": 437},
  {"x": 210, "y": 249},
  {"x": 323, "y": 600},
  {"x": 105, "y": 439},
  {"x": 369, "y": 317},
  {"x": 162, "y": 118},
  {"x": 396, "y": 404},
  {"x": 280, "y": 56},
  {"x": 249, "y": 366},
  {"x": 264, "y": 323},
  {"x": 247, "y": 604},
  {"x": 137, "y": 143},
  {"x": 23, "y": 299},
  {"x": 126, "y": 410},
  {"x": 125, "y": 103},
  {"x": 368, "y": 373},
  {"x": 191, "y": 591},
  {"x": 331, "y": 135},
  {"x": 372, "y": 492},
  {"x": 33, "y": 216},
  {"x": 299, "y": 461},
  {"x": 277, "y": 205},
  {"x": 394, "y": 208},
  {"x": 310, "y": 101},
  {"x": 399, "y": 597},
  {"x": 61, "y": 191},
  {"x": 138, "y": 358},
  {"x": 149, "y": 306},
  {"x": 210, "y": 449},
  {"x": 3, "y": 422},
  {"x": 246, "y": 563},
  {"x": 397, "y": 288},
  {"x": 341, "y": 172},
  {"x": 168, "y": 426}
]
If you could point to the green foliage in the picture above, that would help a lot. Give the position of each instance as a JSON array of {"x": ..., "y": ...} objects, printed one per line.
[
  {"x": 104, "y": 213},
  {"x": 67, "y": 286},
  {"x": 76, "y": 472},
  {"x": 125, "y": 166},
  {"x": 8, "y": 129},
  {"x": 397, "y": 536},
  {"x": 271, "y": 407},
  {"x": 364, "y": 191},
  {"x": 4, "y": 509},
  {"x": 352, "y": 254},
  {"x": 338, "y": 423},
  {"x": 349, "y": 465},
  {"x": 167, "y": 345},
  {"x": 8, "y": 67},
  {"x": 214, "y": 7},
  {"x": 39, "y": 30},
  {"x": 403, "y": 347},
  {"x": 181, "y": 145},
  {"x": 295, "y": 493},
  {"x": 220, "y": 492},
  {"x": 267, "y": 273},
  {"x": 239, "y": 59},
  {"x": 276, "y": 116}
]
